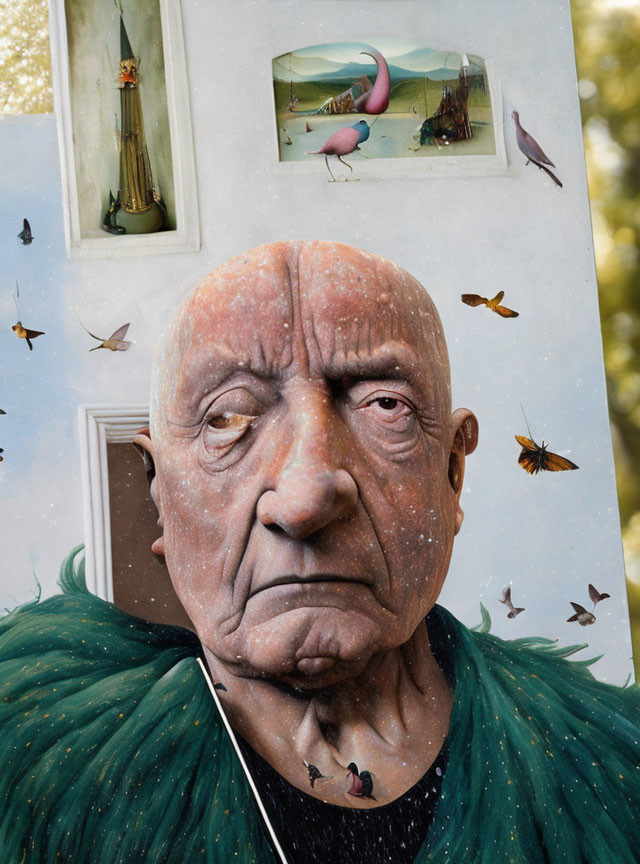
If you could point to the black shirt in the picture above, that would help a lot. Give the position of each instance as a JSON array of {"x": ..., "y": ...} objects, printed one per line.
[{"x": 312, "y": 832}]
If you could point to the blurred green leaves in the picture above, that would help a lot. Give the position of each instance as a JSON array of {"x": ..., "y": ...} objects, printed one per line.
[
  {"x": 25, "y": 63},
  {"x": 607, "y": 36}
]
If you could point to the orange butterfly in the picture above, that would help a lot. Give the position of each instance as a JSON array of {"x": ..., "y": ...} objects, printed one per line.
[
  {"x": 535, "y": 457},
  {"x": 493, "y": 304}
]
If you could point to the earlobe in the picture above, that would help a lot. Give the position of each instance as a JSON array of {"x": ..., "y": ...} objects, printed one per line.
[
  {"x": 145, "y": 447},
  {"x": 157, "y": 547},
  {"x": 465, "y": 440}
]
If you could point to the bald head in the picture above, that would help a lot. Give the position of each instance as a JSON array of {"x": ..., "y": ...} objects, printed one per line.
[
  {"x": 320, "y": 302},
  {"x": 308, "y": 468}
]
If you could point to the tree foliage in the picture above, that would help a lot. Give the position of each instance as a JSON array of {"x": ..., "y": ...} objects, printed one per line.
[
  {"x": 608, "y": 59},
  {"x": 25, "y": 63}
]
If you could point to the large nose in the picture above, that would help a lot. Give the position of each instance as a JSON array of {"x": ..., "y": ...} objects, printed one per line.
[{"x": 311, "y": 489}]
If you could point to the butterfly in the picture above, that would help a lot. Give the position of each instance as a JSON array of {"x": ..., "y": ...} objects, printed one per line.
[
  {"x": 535, "y": 457},
  {"x": 493, "y": 304},
  {"x": 25, "y": 235}
]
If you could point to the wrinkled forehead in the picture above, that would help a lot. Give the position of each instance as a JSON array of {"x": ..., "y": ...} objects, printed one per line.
[
  {"x": 279, "y": 306},
  {"x": 356, "y": 300}
]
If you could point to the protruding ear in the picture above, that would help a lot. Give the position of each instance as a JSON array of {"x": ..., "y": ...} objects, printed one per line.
[
  {"x": 145, "y": 447},
  {"x": 465, "y": 439}
]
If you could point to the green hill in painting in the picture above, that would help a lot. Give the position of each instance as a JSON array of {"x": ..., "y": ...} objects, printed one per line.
[{"x": 404, "y": 96}]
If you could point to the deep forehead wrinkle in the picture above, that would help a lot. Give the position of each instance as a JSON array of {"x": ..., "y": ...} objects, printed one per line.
[
  {"x": 240, "y": 316},
  {"x": 333, "y": 308},
  {"x": 356, "y": 306}
]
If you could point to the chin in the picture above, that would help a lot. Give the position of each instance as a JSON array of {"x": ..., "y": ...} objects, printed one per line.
[{"x": 307, "y": 648}]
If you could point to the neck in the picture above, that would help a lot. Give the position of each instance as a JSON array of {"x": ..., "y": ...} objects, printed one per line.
[{"x": 390, "y": 720}]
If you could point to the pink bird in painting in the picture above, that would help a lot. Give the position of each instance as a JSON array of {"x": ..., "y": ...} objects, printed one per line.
[
  {"x": 376, "y": 100},
  {"x": 344, "y": 141}
]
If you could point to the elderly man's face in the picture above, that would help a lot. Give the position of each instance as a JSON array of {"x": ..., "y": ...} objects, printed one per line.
[{"x": 308, "y": 468}]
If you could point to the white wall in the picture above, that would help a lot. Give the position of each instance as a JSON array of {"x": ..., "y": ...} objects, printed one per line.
[{"x": 549, "y": 535}]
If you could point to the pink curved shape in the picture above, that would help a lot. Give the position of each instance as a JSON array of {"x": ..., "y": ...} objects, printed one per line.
[
  {"x": 341, "y": 142},
  {"x": 376, "y": 100}
]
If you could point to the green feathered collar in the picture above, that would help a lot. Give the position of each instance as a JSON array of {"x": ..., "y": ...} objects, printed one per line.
[{"x": 112, "y": 750}]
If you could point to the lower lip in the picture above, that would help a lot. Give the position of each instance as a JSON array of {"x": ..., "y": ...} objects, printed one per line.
[{"x": 320, "y": 586}]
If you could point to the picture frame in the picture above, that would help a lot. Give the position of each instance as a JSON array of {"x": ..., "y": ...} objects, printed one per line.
[
  {"x": 84, "y": 93},
  {"x": 298, "y": 159}
]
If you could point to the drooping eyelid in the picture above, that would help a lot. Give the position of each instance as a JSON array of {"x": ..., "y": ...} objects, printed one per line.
[{"x": 258, "y": 388}]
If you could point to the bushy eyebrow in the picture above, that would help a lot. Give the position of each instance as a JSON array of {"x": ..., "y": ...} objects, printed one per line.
[{"x": 392, "y": 360}]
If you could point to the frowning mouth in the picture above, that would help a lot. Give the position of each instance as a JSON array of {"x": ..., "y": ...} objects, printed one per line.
[{"x": 309, "y": 580}]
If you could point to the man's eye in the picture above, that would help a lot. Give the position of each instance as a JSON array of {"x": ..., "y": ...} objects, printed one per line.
[
  {"x": 386, "y": 402},
  {"x": 230, "y": 421},
  {"x": 224, "y": 430},
  {"x": 389, "y": 410}
]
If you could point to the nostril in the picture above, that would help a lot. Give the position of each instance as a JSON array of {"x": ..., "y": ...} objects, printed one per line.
[{"x": 265, "y": 508}]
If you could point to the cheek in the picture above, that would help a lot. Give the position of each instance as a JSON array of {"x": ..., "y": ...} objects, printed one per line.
[
  {"x": 195, "y": 534},
  {"x": 419, "y": 514}
]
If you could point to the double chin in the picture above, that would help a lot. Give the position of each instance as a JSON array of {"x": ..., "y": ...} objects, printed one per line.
[{"x": 306, "y": 646}]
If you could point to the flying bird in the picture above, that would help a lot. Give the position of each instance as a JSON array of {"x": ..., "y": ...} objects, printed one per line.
[
  {"x": 532, "y": 150},
  {"x": 21, "y": 331},
  {"x": 315, "y": 774},
  {"x": 376, "y": 100},
  {"x": 493, "y": 304},
  {"x": 115, "y": 342},
  {"x": 25, "y": 235},
  {"x": 582, "y": 616},
  {"x": 361, "y": 782},
  {"x": 514, "y": 611},
  {"x": 1, "y": 451},
  {"x": 24, "y": 333},
  {"x": 596, "y": 596},
  {"x": 344, "y": 141}
]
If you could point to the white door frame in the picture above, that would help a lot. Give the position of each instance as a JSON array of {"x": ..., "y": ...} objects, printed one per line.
[{"x": 100, "y": 425}]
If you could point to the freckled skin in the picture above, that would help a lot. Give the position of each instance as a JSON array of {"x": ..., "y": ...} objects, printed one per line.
[
  {"x": 308, "y": 475},
  {"x": 306, "y": 440}
]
